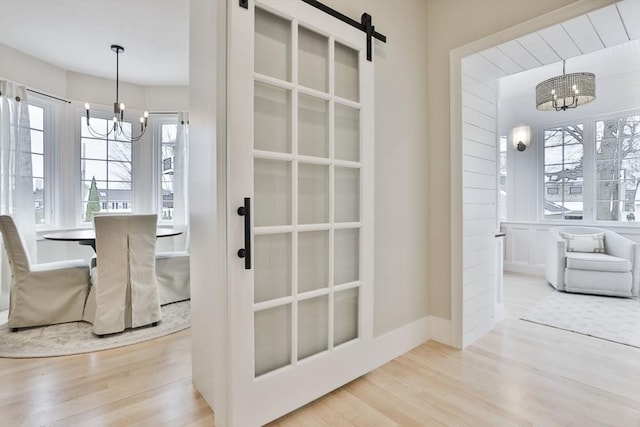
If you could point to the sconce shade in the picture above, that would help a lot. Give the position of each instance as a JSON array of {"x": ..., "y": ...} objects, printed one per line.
[
  {"x": 565, "y": 91},
  {"x": 521, "y": 137}
]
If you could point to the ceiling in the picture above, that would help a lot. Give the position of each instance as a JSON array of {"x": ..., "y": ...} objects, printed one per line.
[
  {"x": 604, "y": 28},
  {"x": 76, "y": 35}
]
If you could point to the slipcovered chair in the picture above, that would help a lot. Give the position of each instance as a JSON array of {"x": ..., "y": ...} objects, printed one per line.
[
  {"x": 42, "y": 294},
  {"x": 172, "y": 272},
  {"x": 124, "y": 291},
  {"x": 593, "y": 261}
]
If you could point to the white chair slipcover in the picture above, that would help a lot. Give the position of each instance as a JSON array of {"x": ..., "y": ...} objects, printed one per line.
[
  {"x": 42, "y": 294},
  {"x": 124, "y": 291},
  {"x": 172, "y": 272},
  {"x": 615, "y": 272}
]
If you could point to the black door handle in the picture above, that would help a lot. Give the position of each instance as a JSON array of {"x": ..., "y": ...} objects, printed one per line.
[{"x": 245, "y": 252}]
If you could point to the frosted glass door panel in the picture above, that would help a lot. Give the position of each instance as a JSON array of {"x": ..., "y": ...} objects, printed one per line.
[
  {"x": 347, "y": 81},
  {"x": 272, "y": 277},
  {"x": 272, "y": 118},
  {"x": 345, "y": 316},
  {"x": 313, "y": 326},
  {"x": 272, "y": 53},
  {"x": 313, "y": 193},
  {"x": 347, "y": 133},
  {"x": 347, "y": 194},
  {"x": 313, "y": 126},
  {"x": 346, "y": 256},
  {"x": 272, "y": 333},
  {"x": 313, "y": 260},
  {"x": 313, "y": 59},
  {"x": 272, "y": 192}
]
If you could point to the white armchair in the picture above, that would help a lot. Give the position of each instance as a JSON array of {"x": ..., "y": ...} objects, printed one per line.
[
  {"x": 42, "y": 294},
  {"x": 593, "y": 261}
]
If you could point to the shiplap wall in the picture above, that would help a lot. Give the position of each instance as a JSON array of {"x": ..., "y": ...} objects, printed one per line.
[{"x": 481, "y": 276}]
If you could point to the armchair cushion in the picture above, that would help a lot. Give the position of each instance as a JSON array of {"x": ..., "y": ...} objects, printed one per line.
[
  {"x": 597, "y": 262},
  {"x": 593, "y": 243}
]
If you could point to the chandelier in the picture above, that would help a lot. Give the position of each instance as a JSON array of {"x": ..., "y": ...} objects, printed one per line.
[
  {"x": 117, "y": 130},
  {"x": 565, "y": 91}
]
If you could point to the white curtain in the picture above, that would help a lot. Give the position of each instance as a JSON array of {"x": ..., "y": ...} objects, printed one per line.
[
  {"x": 16, "y": 182},
  {"x": 180, "y": 177}
]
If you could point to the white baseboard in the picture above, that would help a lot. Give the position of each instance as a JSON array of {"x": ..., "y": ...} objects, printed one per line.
[
  {"x": 440, "y": 330},
  {"x": 538, "y": 270},
  {"x": 401, "y": 340}
]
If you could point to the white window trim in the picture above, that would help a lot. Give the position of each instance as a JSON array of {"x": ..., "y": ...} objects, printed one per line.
[
  {"x": 589, "y": 164},
  {"x": 158, "y": 121}
]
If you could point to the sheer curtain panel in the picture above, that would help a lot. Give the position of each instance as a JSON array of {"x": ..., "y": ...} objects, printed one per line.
[{"x": 16, "y": 182}]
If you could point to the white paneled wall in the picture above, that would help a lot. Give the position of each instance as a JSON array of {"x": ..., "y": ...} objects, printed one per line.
[
  {"x": 481, "y": 277},
  {"x": 525, "y": 244}
]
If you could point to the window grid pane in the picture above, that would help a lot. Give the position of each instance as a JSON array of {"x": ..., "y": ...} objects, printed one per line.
[
  {"x": 169, "y": 133},
  {"x": 617, "y": 151},
  {"x": 106, "y": 169},
  {"x": 563, "y": 172},
  {"x": 37, "y": 131}
]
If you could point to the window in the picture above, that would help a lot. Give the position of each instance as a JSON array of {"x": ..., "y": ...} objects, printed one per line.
[
  {"x": 502, "y": 178},
  {"x": 563, "y": 170},
  {"x": 168, "y": 134},
  {"x": 37, "y": 129},
  {"x": 618, "y": 169},
  {"x": 106, "y": 169}
]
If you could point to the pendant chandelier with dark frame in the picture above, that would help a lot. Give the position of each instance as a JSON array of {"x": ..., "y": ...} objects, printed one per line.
[
  {"x": 565, "y": 91},
  {"x": 118, "y": 111}
]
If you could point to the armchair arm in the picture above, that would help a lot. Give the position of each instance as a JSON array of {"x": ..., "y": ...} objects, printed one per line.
[
  {"x": 555, "y": 259},
  {"x": 622, "y": 247}
]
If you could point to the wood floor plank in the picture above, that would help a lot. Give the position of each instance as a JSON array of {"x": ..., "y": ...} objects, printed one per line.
[{"x": 519, "y": 374}]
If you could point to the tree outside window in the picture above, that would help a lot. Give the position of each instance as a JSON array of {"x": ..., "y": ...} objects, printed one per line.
[{"x": 618, "y": 169}]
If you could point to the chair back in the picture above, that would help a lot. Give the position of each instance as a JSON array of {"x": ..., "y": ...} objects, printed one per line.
[
  {"x": 126, "y": 287},
  {"x": 18, "y": 258}
]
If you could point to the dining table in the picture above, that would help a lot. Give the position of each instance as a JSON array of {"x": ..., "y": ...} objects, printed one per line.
[{"x": 87, "y": 236}]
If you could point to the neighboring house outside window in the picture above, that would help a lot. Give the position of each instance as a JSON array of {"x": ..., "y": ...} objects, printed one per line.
[
  {"x": 106, "y": 169},
  {"x": 563, "y": 172},
  {"x": 37, "y": 130},
  {"x": 617, "y": 152}
]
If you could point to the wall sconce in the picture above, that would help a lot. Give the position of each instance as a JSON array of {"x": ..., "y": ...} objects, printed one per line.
[{"x": 521, "y": 137}]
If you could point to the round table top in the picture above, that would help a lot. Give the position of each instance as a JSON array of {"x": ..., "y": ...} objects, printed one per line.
[{"x": 90, "y": 234}]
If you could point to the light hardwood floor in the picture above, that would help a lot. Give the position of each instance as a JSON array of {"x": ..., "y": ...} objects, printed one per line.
[{"x": 519, "y": 374}]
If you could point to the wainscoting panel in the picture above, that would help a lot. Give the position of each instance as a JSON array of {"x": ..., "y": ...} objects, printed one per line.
[{"x": 526, "y": 242}]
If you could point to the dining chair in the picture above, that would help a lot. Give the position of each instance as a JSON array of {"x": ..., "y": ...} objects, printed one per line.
[
  {"x": 124, "y": 290},
  {"x": 172, "y": 272},
  {"x": 42, "y": 294}
]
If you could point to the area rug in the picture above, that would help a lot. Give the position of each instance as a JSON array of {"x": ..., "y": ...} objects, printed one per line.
[
  {"x": 76, "y": 337},
  {"x": 609, "y": 318}
]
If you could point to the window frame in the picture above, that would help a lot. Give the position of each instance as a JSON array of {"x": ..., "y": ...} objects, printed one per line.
[
  {"x": 50, "y": 150},
  {"x": 589, "y": 163},
  {"x": 99, "y": 113},
  {"x": 157, "y": 169}
]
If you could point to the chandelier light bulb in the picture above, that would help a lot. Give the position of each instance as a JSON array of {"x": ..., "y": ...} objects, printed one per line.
[
  {"x": 146, "y": 114},
  {"x": 141, "y": 120},
  {"x": 122, "y": 106},
  {"x": 86, "y": 105}
]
